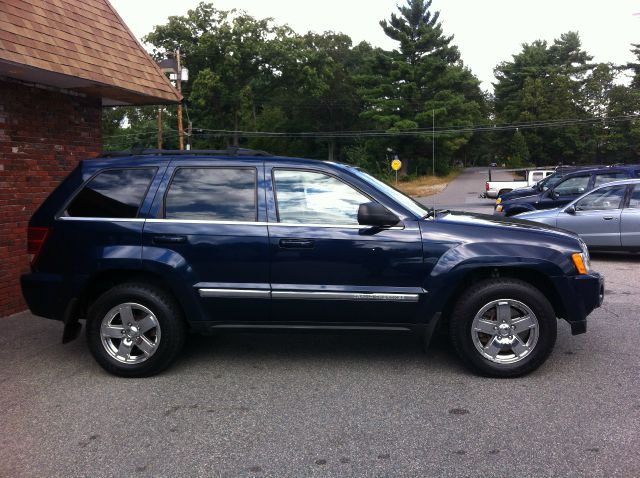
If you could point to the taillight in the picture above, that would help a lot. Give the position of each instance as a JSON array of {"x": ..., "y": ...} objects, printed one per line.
[
  {"x": 487, "y": 185},
  {"x": 36, "y": 237}
]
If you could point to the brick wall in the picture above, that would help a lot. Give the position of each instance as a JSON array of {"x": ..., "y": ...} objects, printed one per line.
[{"x": 43, "y": 134}]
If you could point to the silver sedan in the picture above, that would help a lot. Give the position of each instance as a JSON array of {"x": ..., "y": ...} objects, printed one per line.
[{"x": 607, "y": 217}]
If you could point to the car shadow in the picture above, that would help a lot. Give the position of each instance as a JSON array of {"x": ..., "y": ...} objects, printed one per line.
[
  {"x": 615, "y": 256},
  {"x": 315, "y": 346}
]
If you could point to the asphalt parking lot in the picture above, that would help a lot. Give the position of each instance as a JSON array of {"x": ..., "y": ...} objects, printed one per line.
[{"x": 349, "y": 404}]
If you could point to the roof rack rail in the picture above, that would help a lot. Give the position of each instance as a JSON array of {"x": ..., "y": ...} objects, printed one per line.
[{"x": 192, "y": 152}]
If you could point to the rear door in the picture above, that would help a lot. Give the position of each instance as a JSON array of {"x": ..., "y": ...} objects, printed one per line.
[
  {"x": 630, "y": 220},
  {"x": 209, "y": 236},
  {"x": 597, "y": 217}
]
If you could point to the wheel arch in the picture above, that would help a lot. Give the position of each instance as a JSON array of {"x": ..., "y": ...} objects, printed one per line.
[
  {"x": 102, "y": 281},
  {"x": 526, "y": 274}
]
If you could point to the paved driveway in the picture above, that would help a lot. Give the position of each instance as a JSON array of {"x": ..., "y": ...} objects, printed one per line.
[{"x": 350, "y": 404}]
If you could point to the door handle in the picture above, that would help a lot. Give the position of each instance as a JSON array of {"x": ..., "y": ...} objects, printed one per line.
[
  {"x": 607, "y": 218},
  {"x": 169, "y": 239},
  {"x": 297, "y": 243}
]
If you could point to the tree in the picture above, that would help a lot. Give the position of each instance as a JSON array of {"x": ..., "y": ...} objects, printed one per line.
[
  {"x": 425, "y": 76},
  {"x": 546, "y": 83}
]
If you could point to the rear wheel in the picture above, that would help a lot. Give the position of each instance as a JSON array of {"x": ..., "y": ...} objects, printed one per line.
[
  {"x": 503, "y": 328},
  {"x": 135, "y": 330}
]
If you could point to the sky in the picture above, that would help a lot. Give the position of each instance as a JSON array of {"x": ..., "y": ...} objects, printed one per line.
[{"x": 487, "y": 32}]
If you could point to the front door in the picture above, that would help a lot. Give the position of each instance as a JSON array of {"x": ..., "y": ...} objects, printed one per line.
[
  {"x": 597, "y": 217},
  {"x": 565, "y": 191},
  {"x": 325, "y": 267}
]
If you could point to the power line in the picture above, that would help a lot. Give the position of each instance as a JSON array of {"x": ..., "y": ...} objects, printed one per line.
[{"x": 203, "y": 132}]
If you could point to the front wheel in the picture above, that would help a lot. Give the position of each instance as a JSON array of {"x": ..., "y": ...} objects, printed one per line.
[
  {"x": 503, "y": 328},
  {"x": 135, "y": 330}
]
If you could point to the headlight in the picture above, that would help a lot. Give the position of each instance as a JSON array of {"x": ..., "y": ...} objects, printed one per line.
[
  {"x": 499, "y": 208},
  {"x": 498, "y": 201}
]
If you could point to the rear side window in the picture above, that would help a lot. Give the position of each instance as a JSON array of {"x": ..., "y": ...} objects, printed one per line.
[
  {"x": 536, "y": 176},
  {"x": 115, "y": 193},
  {"x": 608, "y": 177},
  {"x": 214, "y": 194}
]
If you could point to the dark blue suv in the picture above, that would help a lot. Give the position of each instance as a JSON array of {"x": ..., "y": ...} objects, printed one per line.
[
  {"x": 563, "y": 189},
  {"x": 146, "y": 247}
]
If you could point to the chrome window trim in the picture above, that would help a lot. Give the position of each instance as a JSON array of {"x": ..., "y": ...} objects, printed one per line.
[
  {"x": 222, "y": 223},
  {"x": 100, "y": 219},
  {"x": 206, "y": 221}
]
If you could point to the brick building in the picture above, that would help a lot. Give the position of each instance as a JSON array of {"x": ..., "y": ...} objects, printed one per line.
[{"x": 61, "y": 61}]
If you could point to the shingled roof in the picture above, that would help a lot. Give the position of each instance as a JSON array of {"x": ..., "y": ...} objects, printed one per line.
[{"x": 80, "y": 45}]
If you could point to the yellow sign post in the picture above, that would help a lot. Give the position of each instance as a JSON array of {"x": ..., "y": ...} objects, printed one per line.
[{"x": 396, "y": 164}]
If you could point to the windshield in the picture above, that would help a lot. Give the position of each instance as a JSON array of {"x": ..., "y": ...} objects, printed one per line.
[{"x": 412, "y": 205}]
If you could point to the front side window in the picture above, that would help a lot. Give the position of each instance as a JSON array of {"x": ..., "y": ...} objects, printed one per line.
[
  {"x": 305, "y": 197},
  {"x": 214, "y": 194},
  {"x": 572, "y": 186},
  {"x": 602, "y": 199},
  {"x": 536, "y": 176},
  {"x": 608, "y": 177},
  {"x": 116, "y": 193}
]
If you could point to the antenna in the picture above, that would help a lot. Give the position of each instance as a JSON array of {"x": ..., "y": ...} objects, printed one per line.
[{"x": 433, "y": 154}]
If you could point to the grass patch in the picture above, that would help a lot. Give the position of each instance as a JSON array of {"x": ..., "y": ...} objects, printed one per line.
[{"x": 426, "y": 185}]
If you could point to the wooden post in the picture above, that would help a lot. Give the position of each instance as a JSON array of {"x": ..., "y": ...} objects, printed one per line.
[
  {"x": 160, "y": 127},
  {"x": 179, "y": 84}
]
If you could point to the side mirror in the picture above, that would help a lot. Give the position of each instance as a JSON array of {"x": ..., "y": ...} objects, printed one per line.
[
  {"x": 570, "y": 210},
  {"x": 554, "y": 195},
  {"x": 375, "y": 214}
]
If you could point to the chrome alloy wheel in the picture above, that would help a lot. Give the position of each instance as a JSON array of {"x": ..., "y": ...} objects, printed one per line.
[
  {"x": 130, "y": 333},
  {"x": 505, "y": 331}
]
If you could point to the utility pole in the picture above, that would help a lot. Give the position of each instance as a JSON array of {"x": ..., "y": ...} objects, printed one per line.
[
  {"x": 189, "y": 133},
  {"x": 179, "y": 84},
  {"x": 160, "y": 127}
]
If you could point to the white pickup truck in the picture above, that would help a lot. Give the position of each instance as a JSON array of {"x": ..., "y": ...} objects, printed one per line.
[{"x": 496, "y": 188}]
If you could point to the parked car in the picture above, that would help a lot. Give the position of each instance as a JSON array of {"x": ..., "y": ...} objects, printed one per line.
[
  {"x": 148, "y": 246},
  {"x": 542, "y": 185},
  {"x": 572, "y": 186},
  {"x": 493, "y": 189},
  {"x": 606, "y": 218}
]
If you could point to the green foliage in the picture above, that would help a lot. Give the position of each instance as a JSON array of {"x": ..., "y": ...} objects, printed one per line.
[{"x": 252, "y": 75}]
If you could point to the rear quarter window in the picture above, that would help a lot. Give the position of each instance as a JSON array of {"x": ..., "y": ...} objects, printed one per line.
[{"x": 116, "y": 193}]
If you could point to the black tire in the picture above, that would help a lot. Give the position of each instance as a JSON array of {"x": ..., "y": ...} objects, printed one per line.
[
  {"x": 474, "y": 299},
  {"x": 168, "y": 317}
]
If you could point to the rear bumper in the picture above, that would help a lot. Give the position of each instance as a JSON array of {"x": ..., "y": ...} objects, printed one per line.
[
  {"x": 46, "y": 295},
  {"x": 580, "y": 295}
]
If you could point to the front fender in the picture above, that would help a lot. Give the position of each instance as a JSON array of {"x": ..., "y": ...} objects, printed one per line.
[{"x": 454, "y": 265}]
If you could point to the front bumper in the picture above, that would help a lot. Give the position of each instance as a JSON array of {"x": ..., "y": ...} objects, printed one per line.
[{"x": 580, "y": 294}]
